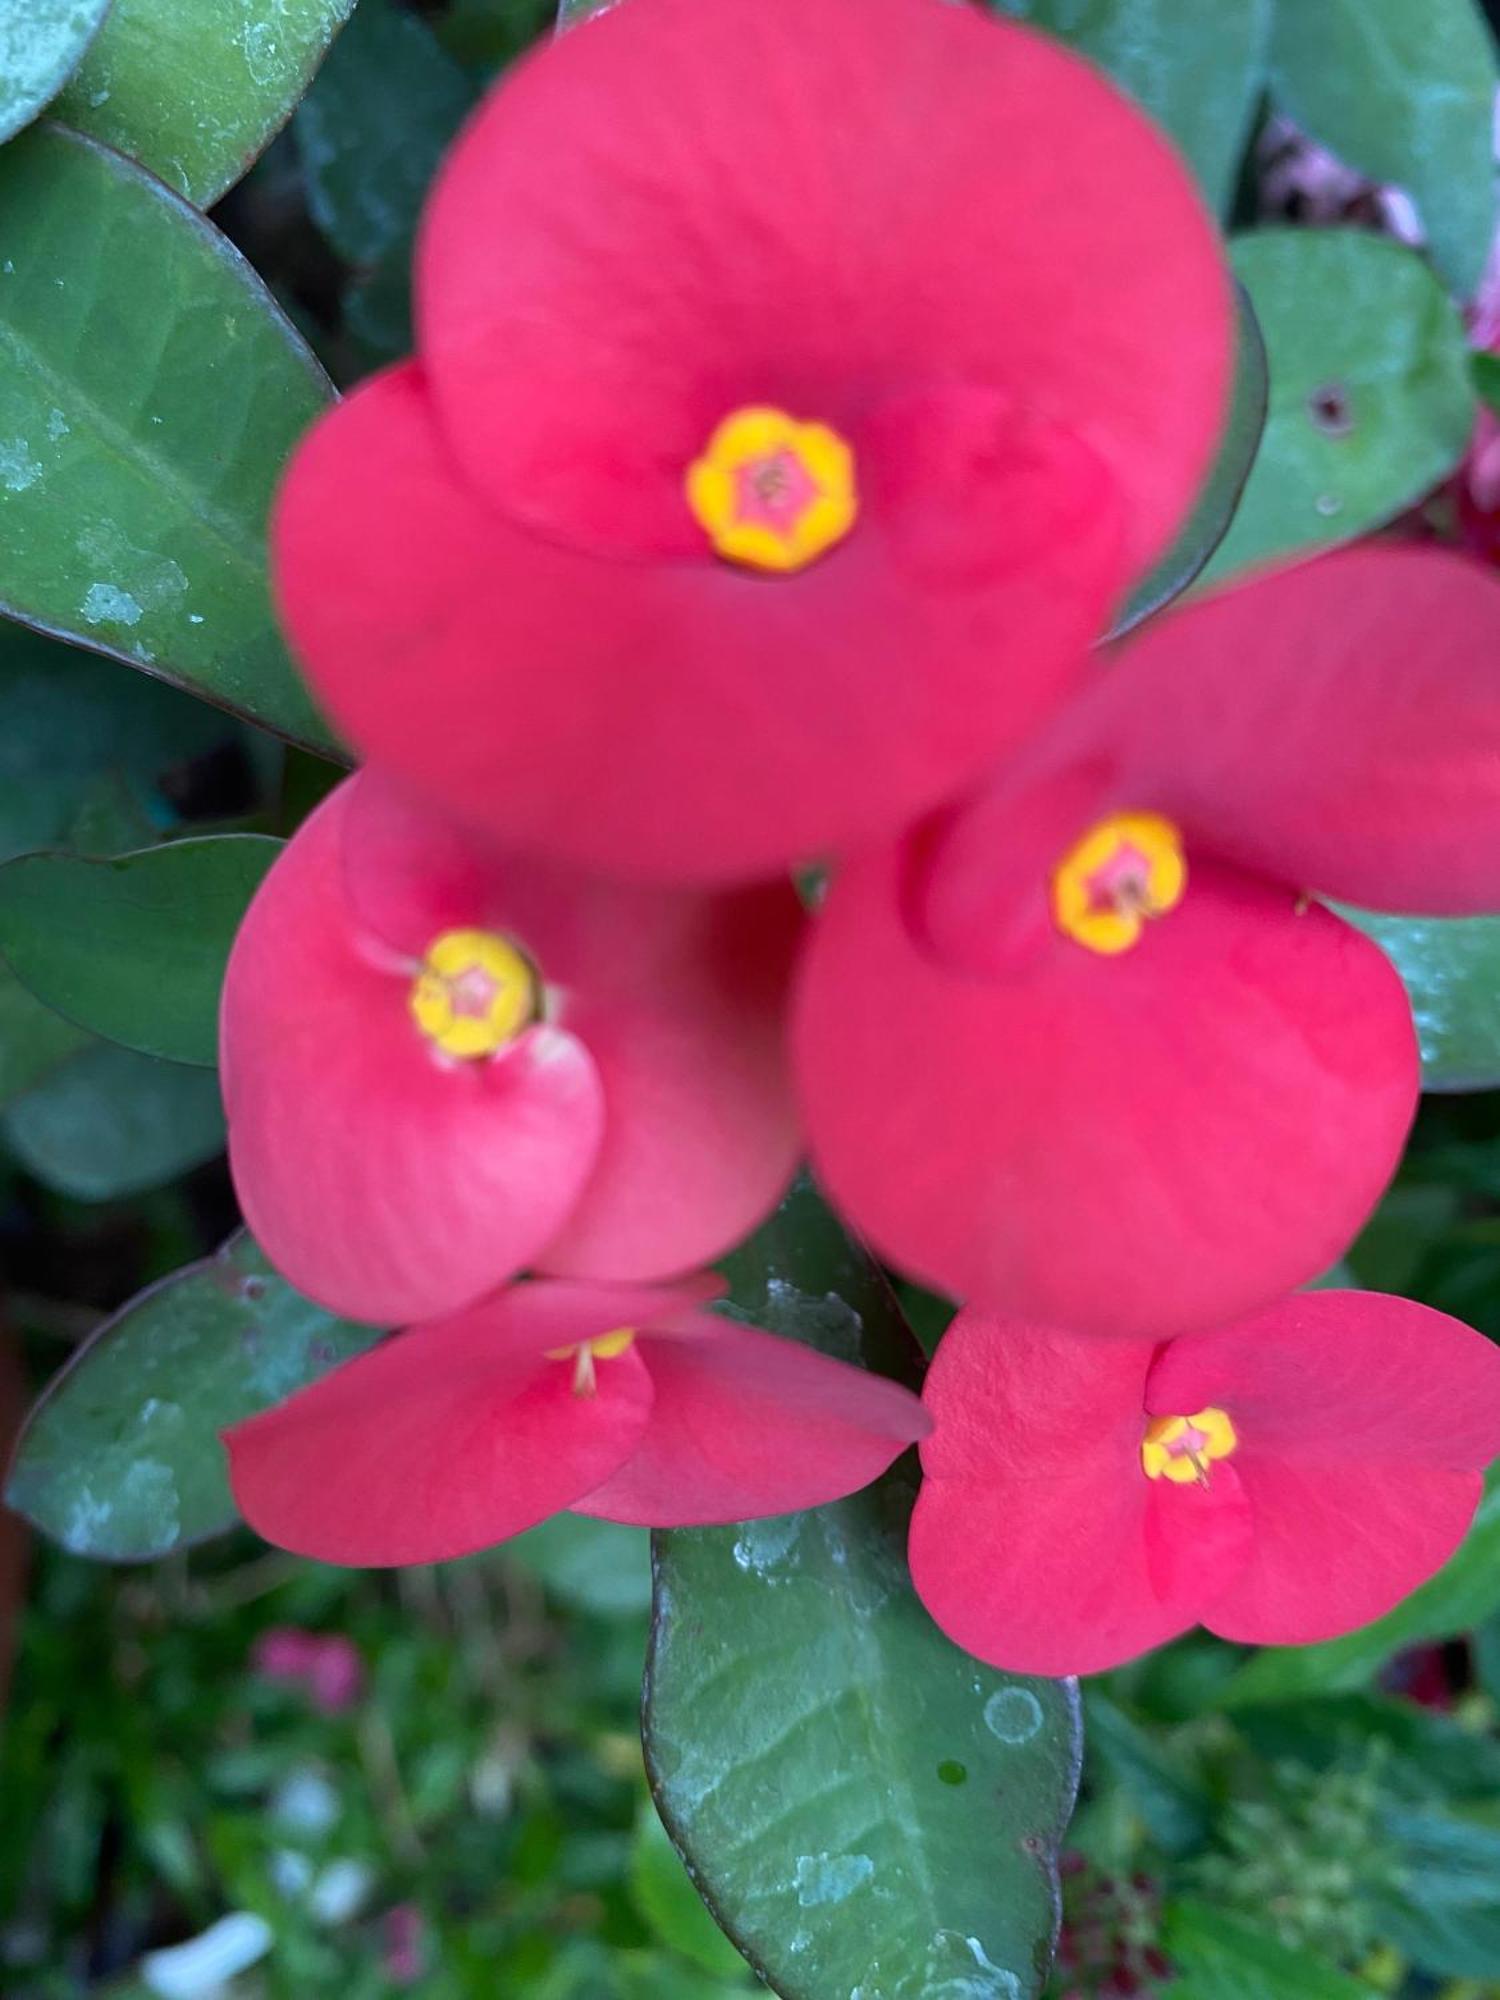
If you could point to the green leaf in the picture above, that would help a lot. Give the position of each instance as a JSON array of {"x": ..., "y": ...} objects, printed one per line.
[
  {"x": 1462, "y": 1594},
  {"x": 1225, "y": 1958},
  {"x": 42, "y": 42},
  {"x": 134, "y": 948},
  {"x": 862, "y": 1806},
  {"x": 1451, "y": 967},
  {"x": 1171, "y": 1801},
  {"x": 1196, "y": 70},
  {"x": 1403, "y": 91},
  {"x": 112, "y": 1123},
  {"x": 594, "y": 1566},
  {"x": 33, "y": 1040},
  {"x": 671, "y": 1906},
  {"x": 196, "y": 89},
  {"x": 1219, "y": 501},
  {"x": 150, "y": 391},
  {"x": 121, "y": 1458},
  {"x": 78, "y": 728},
  {"x": 373, "y": 128},
  {"x": 1429, "y": 1749},
  {"x": 1448, "y": 1920},
  {"x": 1484, "y": 372},
  {"x": 1371, "y": 399}
]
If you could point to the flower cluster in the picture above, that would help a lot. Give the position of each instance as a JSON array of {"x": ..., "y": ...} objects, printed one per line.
[{"x": 768, "y": 472}]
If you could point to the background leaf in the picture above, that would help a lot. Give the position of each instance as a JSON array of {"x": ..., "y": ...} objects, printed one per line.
[
  {"x": 665, "y": 1896},
  {"x": 863, "y": 1806},
  {"x": 1371, "y": 398},
  {"x": 1197, "y": 70},
  {"x": 1404, "y": 91},
  {"x": 1225, "y": 1958},
  {"x": 150, "y": 391},
  {"x": 195, "y": 89},
  {"x": 33, "y": 1040},
  {"x": 1462, "y": 1594},
  {"x": 134, "y": 948},
  {"x": 1219, "y": 501},
  {"x": 41, "y": 43},
  {"x": 121, "y": 1459},
  {"x": 1451, "y": 966},
  {"x": 111, "y": 1123}
]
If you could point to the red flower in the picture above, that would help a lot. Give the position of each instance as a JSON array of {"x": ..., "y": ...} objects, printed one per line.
[
  {"x": 768, "y": 463},
  {"x": 442, "y": 1064},
  {"x": 1280, "y": 1480},
  {"x": 1051, "y": 1066},
  {"x": 629, "y": 1403}
]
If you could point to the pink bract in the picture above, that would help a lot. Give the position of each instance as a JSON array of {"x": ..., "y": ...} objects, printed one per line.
[
  {"x": 456, "y": 1435},
  {"x": 1363, "y": 1425},
  {"x": 936, "y": 232},
  {"x": 642, "y": 1126}
]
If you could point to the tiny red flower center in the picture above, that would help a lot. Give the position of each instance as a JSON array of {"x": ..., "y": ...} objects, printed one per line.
[
  {"x": 771, "y": 492},
  {"x": 475, "y": 993},
  {"x": 583, "y": 1357},
  {"x": 1124, "y": 872},
  {"x": 1182, "y": 1448}
]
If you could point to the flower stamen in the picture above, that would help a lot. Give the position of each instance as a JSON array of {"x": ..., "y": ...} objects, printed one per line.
[
  {"x": 1123, "y": 873},
  {"x": 584, "y": 1356},
  {"x": 475, "y": 993},
  {"x": 773, "y": 493},
  {"x": 1182, "y": 1449}
]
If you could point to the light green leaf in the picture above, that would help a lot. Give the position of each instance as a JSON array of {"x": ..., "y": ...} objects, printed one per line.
[
  {"x": 1404, "y": 91},
  {"x": 1448, "y": 1919},
  {"x": 41, "y": 43},
  {"x": 594, "y": 1566},
  {"x": 121, "y": 1459},
  {"x": 1462, "y": 1594},
  {"x": 1224, "y": 1958},
  {"x": 1451, "y": 966},
  {"x": 1171, "y": 1801},
  {"x": 134, "y": 948},
  {"x": 112, "y": 1123},
  {"x": 671, "y": 1906},
  {"x": 33, "y": 1040},
  {"x": 196, "y": 89},
  {"x": 1219, "y": 501},
  {"x": 373, "y": 128},
  {"x": 863, "y": 1807},
  {"x": 150, "y": 392},
  {"x": 1371, "y": 398},
  {"x": 1196, "y": 69}
]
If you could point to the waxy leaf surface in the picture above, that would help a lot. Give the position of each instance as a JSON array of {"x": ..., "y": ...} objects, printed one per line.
[
  {"x": 1451, "y": 966},
  {"x": 41, "y": 43},
  {"x": 111, "y": 1123}
]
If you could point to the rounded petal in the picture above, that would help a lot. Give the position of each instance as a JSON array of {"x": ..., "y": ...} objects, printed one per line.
[
  {"x": 1136, "y": 1144},
  {"x": 383, "y": 1179},
  {"x": 1336, "y": 726},
  {"x": 639, "y": 715},
  {"x": 745, "y": 1424},
  {"x": 1337, "y": 1545},
  {"x": 807, "y": 207},
  {"x": 439, "y": 1442},
  {"x": 1032, "y": 1543},
  {"x": 1328, "y": 1378}
]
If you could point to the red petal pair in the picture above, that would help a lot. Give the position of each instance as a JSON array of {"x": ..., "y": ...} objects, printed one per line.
[
  {"x": 454, "y": 1436},
  {"x": 1361, "y": 1426},
  {"x": 896, "y": 219},
  {"x": 1148, "y": 1141},
  {"x": 637, "y": 1128}
]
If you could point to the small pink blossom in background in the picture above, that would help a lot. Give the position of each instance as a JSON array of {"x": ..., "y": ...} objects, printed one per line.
[
  {"x": 404, "y": 1937},
  {"x": 327, "y": 1666}
]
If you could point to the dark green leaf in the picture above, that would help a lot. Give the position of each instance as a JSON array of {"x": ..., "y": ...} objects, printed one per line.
[
  {"x": 1451, "y": 966},
  {"x": 121, "y": 1458},
  {"x": 1484, "y": 372},
  {"x": 195, "y": 89},
  {"x": 134, "y": 948},
  {"x": 373, "y": 128},
  {"x": 670, "y": 1904},
  {"x": 33, "y": 1040},
  {"x": 1371, "y": 400},
  {"x": 1170, "y": 1799},
  {"x": 1431, "y": 1749},
  {"x": 112, "y": 1123},
  {"x": 1210, "y": 519},
  {"x": 1448, "y": 1920},
  {"x": 41, "y": 43},
  {"x": 1404, "y": 92},
  {"x": 863, "y": 1807},
  {"x": 150, "y": 391},
  {"x": 1462, "y": 1594},
  {"x": 1225, "y": 1958},
  {"x": 1197, "y": 70}
]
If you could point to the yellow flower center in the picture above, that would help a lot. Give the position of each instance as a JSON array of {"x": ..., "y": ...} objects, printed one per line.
[
  {"x": 773, "y": 493},
  {"x": 1123, "y": 872},
  {"x": 474, "y": 993},
  {"x": 1182, "y": 1448},
  {"x": 605, "y": 1348}
]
